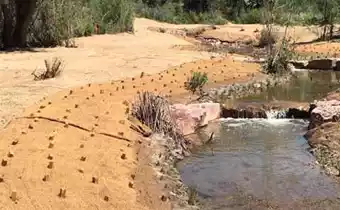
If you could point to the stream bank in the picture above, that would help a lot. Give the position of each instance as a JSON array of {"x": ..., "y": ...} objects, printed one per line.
[{"x": 263, "y": 163}]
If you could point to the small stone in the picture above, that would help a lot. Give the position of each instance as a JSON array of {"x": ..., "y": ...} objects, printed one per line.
[
  {"x": 30, "y": 126},
  {"x": 23, "y": 132},
  {"x": 42, "y": 107},
  {"x": 68, "y": 110},
  {"x": 65, "y": 96},
  {"x": 101, "y": 91},
  {"x": 130, "y": 184},
  {"x": 81, "y": 170},
  {"x": 92, "y": 134},
  {"x": 76, "y": 106},
  {"x": 50, "y": 165},
  {"x": 123, "y": 156},
  {"x": 133, "y": 176},
  {"x": 4, "y": 162},
  {"x": 65, "y": 117},
  {"x": 332, "y": 171},
  {"x": 2, "y": 178},
  {"x": 36, "y": 120},
  {"x": 82, "y": 158},
  {"x": 71, "y": 91},
  {"x": 81, "y": 146},
  {"x": 122, "y": 122},
  {"x": 121, "y": 133}
]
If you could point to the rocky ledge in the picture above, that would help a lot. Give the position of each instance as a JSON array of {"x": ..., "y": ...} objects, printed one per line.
[{"x": 324, "y": 132}]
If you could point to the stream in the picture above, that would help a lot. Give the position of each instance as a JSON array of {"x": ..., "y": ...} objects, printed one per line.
[{"x": 263, "y": 163}]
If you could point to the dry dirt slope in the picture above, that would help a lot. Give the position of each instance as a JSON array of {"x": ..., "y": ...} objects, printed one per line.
[{"x": 84, "y": 132}]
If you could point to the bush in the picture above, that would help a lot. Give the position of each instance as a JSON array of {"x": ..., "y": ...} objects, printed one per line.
[
  {"x": 251, "y": 17},
  {"x": 57, "y": 21},
  {"x": 50, "y": 71},
  {"x": 154, "y": 111},
  {"x": 196, "y": 82},
  {"x": 278, "y": 58},
  {"x": 267, "y": 37},
  {"x": 174, "y": 13}
]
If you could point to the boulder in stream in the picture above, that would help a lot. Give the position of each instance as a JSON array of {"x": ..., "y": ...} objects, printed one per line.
[
  {"x": 324, "y": 111},
  {"x": 192, "y": 116}
]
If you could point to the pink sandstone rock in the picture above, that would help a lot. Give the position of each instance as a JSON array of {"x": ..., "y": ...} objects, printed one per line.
[
  {"x": 192, "y": 116},
  {"x": 324, "y": 111}
]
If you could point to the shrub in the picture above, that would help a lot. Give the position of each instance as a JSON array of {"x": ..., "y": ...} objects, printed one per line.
[
  {"x": 279, "y": 57},
  {"x": 196, "y": 82},
  {"x": 50, "y": 71},
  {"x": 251, "y": 17},
  {"x": 57, "y": 21},
  {"x": 267, "y": 37},
  {"x": 154, "y": 111}
]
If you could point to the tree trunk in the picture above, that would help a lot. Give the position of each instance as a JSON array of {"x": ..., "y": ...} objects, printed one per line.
[
  {"x": 24, "y": 12},
  {"x": 7, "y": 30}
]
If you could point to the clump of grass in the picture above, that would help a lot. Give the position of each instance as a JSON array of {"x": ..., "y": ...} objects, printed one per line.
[
  {"x": 154, "y": 111},
  {"x": 196, "y": 82},
  {"x": 192, "y": 193},
  {"x": 51, "y": 70}
]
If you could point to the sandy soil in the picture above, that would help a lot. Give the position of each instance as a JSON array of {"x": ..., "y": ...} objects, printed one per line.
[
  {"x": 97, "y": 59},
  {"x": 320, "y": 49},
  {"x": 79, "y": 139}
]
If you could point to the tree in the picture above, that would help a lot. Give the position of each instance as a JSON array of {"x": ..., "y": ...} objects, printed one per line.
[{"x": 15, "y": 35}]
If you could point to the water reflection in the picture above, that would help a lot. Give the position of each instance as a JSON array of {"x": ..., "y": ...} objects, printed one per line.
[{"x": 305, "y": 87}]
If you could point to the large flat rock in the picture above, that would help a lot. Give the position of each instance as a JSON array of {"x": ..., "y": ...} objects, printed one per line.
[{"x": 192, "y": 116}]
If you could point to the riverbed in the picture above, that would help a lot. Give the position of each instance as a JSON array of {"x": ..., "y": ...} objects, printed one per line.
[{"x": 263, "y": 163}]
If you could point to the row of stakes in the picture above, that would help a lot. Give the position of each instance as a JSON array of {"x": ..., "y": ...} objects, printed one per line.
[{"x": 62, "y": 191}]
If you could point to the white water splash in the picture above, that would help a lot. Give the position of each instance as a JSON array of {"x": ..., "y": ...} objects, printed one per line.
[{"x": 276, "y": 114}]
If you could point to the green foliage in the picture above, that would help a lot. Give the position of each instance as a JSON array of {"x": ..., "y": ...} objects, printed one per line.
[
  {"x": 175, "y": 13},
  {"x": 57, "y": 21},
  {"x": 196, "y": 82},
  {"x": 251, "y": 17}
]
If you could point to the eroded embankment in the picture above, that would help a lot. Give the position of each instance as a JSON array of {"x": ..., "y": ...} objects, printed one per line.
[
  {"x": 79, "y": 141},
  {"x": 324, "y": 135}
]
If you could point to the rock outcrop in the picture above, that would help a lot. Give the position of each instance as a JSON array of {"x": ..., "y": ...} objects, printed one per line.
[
  {"x": 324, "y": 111},
  {"x": 192, "y": 116}
]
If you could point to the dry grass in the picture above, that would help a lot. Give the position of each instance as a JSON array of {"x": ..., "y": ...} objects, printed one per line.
[
  {"x": 154, "y": 111},
  {"x": 51, "y": 70}
]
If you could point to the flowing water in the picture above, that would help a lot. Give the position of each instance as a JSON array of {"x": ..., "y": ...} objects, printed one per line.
[{"x": 263, "y": 163}]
